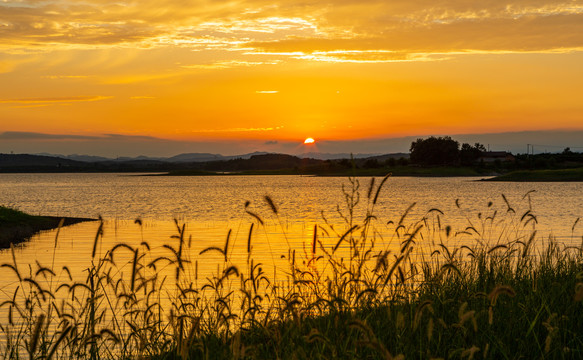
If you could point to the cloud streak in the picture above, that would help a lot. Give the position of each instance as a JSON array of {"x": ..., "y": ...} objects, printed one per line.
[
  {"x": 24, "y": 135},
  {"x": 240, "y": 130},
  {"x": 230, "y": 64},
  {"x": 54, "y": 100}
]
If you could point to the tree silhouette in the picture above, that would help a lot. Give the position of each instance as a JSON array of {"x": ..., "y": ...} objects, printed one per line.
[{"x": 435, "y": 151}]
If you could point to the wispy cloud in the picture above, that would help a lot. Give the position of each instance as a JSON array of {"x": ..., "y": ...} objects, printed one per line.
[
  {"x": 134, "y": 78},
  {"x": 21, "y": 135},
  {"x": 66, "y": 77},
  {"x": 266, "y": 92},
  {"x": 358, "y": 56},
  {"x": 54, "y": 100},
  {"x": 230, "y": 64},
  {"x": 236, "y": 130},
  {"x": 24, "y": 135},
  {"x": 133, "y": 137},
  {"x": 142, "y": 97}
]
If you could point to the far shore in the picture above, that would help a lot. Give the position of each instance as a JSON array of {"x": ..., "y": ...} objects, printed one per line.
[
  {"x": 558, "y": 175},
  {"x": 541, "y": 175},
  {"x": 410, "y": 171},
  {"x": 17, "y": 227}
]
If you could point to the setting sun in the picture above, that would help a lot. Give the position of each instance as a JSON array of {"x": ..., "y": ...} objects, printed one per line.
[{"x": 309, "y": 141}]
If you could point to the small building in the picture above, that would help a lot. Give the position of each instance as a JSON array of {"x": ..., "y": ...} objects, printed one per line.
[{"x": 492, "y": 156}]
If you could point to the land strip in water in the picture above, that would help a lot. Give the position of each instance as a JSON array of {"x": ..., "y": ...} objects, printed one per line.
[
  {"x": 542, "y": 175},
  {"x": 438, "y": 171},
  {"x": 17, "y": 226}
]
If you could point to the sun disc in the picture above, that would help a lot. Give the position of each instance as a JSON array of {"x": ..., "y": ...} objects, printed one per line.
[{"x": 309, "y": 141}]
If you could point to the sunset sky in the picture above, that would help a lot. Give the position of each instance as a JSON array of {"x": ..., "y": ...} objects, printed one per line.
[{"x": 255, "y": 75}]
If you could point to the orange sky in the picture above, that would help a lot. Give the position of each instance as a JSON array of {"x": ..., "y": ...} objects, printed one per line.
[{"x": 286, "y": 70}]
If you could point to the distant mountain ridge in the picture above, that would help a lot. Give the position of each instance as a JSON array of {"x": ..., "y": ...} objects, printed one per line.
[
  {"x": 16, "y": 160},
  {"x": 206, "y": 157},
  {"x": 189, "y": 161},
  {"x": 76, "y": 157},
  {"x": 338, "y": 156}
]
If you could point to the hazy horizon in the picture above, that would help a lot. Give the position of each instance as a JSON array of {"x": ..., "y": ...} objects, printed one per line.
[{"x": 113, "y": 146}]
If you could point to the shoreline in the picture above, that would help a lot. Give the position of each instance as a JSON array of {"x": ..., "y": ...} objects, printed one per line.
[
  {"x": 17, "y": 227},
  {"x": 405, "y": 171},
  {"x": 545, "y": 175}
]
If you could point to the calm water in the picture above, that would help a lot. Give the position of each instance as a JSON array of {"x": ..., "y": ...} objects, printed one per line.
[
  {"x": 210, "y": 206},
  {"x": 123, "y": 197}
]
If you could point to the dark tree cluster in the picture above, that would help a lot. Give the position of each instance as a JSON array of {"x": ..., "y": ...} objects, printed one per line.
[
  {"x": 565, "y": 159},
  {"x": 435, "y": 151},
  {"x": 470, "y": 154},
  {"x": 444, "y": 151}
]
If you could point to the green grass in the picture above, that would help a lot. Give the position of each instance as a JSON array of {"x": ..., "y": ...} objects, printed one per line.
[
  {"x": 494, "y": 289},
  {"x": 542, "y": 175},
  {"x": 13, "y": 216},
  {"x": 17, "y": 226}
]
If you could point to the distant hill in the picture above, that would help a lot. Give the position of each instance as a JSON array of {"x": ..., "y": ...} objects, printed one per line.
[
  {"x": 180, "y": 158},
  {"x": 389, "y": 156},
  {"x": 192, "y": 161},
  {"x": 76, "y": 157},
  {"x": 206, "y": 157},
  {"x": 25, "y": 160},
  {"x": 195, "y": 157},
  {"x": 328, "y": 156},
  {"x": 41, "y": 163},
  {"x": 262, "y": 162}
]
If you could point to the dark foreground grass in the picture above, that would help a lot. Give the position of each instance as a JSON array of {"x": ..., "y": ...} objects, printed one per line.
[
  {"x": 501, "y": 295},
  {"x": 489, "y": 310}
]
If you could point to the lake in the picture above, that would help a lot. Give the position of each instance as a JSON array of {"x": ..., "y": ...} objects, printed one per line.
[
  {"x": 210, "y": 206},
  {"x": 299, "y": 198}
]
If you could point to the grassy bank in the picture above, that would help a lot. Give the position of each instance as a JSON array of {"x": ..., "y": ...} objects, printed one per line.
[
  {"x": 542, "y": 175},
  {"x": 378, "y": 286},
  {"x": 17, "y": 226}
]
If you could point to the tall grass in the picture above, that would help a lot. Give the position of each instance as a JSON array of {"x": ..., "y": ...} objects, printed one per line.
[{"x": 370, "y": 287}]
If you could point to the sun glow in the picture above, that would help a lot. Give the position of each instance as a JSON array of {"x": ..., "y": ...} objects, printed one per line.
[{"x": 309, "y": 141}]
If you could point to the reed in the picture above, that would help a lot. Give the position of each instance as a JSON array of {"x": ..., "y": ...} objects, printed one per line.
[{"x": 372, "y": 287}]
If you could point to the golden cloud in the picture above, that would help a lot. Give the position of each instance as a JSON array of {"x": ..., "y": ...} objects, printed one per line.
[
  {"x": 382, "y": 31},
  {"x": 230, "y": 64}
]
